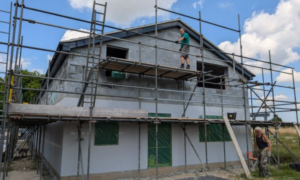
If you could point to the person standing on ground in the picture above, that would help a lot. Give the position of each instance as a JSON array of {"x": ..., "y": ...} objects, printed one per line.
[
  {"x": 185, "y": 48},
  {"x": 264, "y": 151}
]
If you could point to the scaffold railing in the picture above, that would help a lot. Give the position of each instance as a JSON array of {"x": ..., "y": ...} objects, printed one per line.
[{"x": 95, "y": 63}]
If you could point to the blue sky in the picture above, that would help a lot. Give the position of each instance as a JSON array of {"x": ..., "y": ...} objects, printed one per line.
[{"x": 267, "y": 24}]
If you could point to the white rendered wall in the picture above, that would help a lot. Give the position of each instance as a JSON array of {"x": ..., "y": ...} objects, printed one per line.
[
  {"x": 53, "y": 146},
  {"x": 124, "y": 156}
]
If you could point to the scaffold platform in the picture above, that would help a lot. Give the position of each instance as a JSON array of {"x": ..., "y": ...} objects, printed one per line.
[
  {"x": 135, "y": 67},
  {"x": 31, "y": 114}
]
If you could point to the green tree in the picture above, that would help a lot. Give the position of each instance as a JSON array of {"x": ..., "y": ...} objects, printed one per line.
[
  {"x": 32, "y": 83},
  {"x": 276, "y": 118}
]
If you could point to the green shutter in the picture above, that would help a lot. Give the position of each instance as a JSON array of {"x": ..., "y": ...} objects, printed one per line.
[
  {"x": 106, "y": 133},
  {"x": 214, "y": 131},
  {"x": 164, "y": 143}
]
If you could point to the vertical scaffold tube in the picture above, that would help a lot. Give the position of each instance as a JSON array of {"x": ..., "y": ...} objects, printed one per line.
[
  {"x": 203, "y": 88},
  {"x": 244, "y": 89},
  {"x": 156, "y": 125}
]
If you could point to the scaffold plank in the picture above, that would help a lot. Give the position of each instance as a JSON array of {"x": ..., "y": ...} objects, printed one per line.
[
  {"x": 135, "y": 67},
  {"x": 237, "y": 147}
]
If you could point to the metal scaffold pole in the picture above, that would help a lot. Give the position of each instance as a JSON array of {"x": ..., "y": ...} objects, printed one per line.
[
  {"x": 264, "y": 93},
  {"x": 273, "y": 101},
  {"x": 223, "y": 127},
  {"x": 295, "y": 98},
  {"x": 156, "y": 86},
  {"x": 19, "y": 43},
  {"x": 203, "y": 87},
  {"x": 39, "y": 149},
  {"x": 79, "y": 159},
  {"x": 95, "y": 62},
  {"x": 7, "y": 150},
  {"x": 244, "y": 89},
  {"x": 48, "y": 75},
  {"x": 140, "y": 107},
  {"x": 42, "y": 153},
  {"x": 19, "y": 79}
]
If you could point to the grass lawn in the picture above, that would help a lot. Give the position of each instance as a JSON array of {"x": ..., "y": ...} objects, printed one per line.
[{"x": 282, "y": 173}]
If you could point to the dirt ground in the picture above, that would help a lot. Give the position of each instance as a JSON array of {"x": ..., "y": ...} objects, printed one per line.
[{"x": 24, "y": 169}]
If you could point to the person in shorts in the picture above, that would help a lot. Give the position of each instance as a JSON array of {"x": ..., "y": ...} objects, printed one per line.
[{"x": 184, "y": 48}]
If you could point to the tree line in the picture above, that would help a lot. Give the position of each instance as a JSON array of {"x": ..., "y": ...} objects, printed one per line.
[{"x": 26, "y": 82}]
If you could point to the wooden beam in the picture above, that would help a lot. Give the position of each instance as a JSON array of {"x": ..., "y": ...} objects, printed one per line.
[
  {"x": 297, "y": 129},
  {"x": 237, "y": 147}
]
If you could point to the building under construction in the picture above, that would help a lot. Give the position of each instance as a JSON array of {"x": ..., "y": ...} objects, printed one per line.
[{"x": 115, "y": 104}]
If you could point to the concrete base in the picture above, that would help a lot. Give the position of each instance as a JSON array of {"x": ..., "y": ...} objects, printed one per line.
[{"x": 163, "y": 171}]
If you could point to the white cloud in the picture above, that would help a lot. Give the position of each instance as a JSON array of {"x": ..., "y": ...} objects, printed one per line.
[
  {"x": 281, "y": 97},
  {"x": 49, "y": 57},
  {"x": 225, "y": 5},
  {"x": 278, "y": 32},
  {"x": 41, "y": 71},
  {"x": 258, "y": 90},
  {"x": 124, "y": 13},
  {"x": 73, "y": 35},
  {"x": 25, "y": 62},
  {"x": 2, "y": 66},
  {"x": 283, "y": 77},
  {"x": 198, "y": 3}
]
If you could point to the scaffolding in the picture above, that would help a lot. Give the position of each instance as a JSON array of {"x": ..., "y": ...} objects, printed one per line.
[{"x": 95, "y": 62}]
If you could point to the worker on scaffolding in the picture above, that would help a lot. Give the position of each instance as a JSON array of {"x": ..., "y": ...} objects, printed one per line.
[
  {"x": 184, "y": 48},
  {"x": 264, "y": 151}
]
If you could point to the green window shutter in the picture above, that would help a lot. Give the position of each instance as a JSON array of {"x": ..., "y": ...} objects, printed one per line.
[
  {"x": 214, "y": 131},
  {"x": 106, "y": 133},
  {"x": 164, "y": 143},
  {"x": 117, "y": 74}
]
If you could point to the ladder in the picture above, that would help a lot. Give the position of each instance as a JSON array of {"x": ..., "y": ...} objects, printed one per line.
[
  {"x": 93, "y": 56},
  {"x": 5, "y": 53},
  {"x": 4, "y": 90}
]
